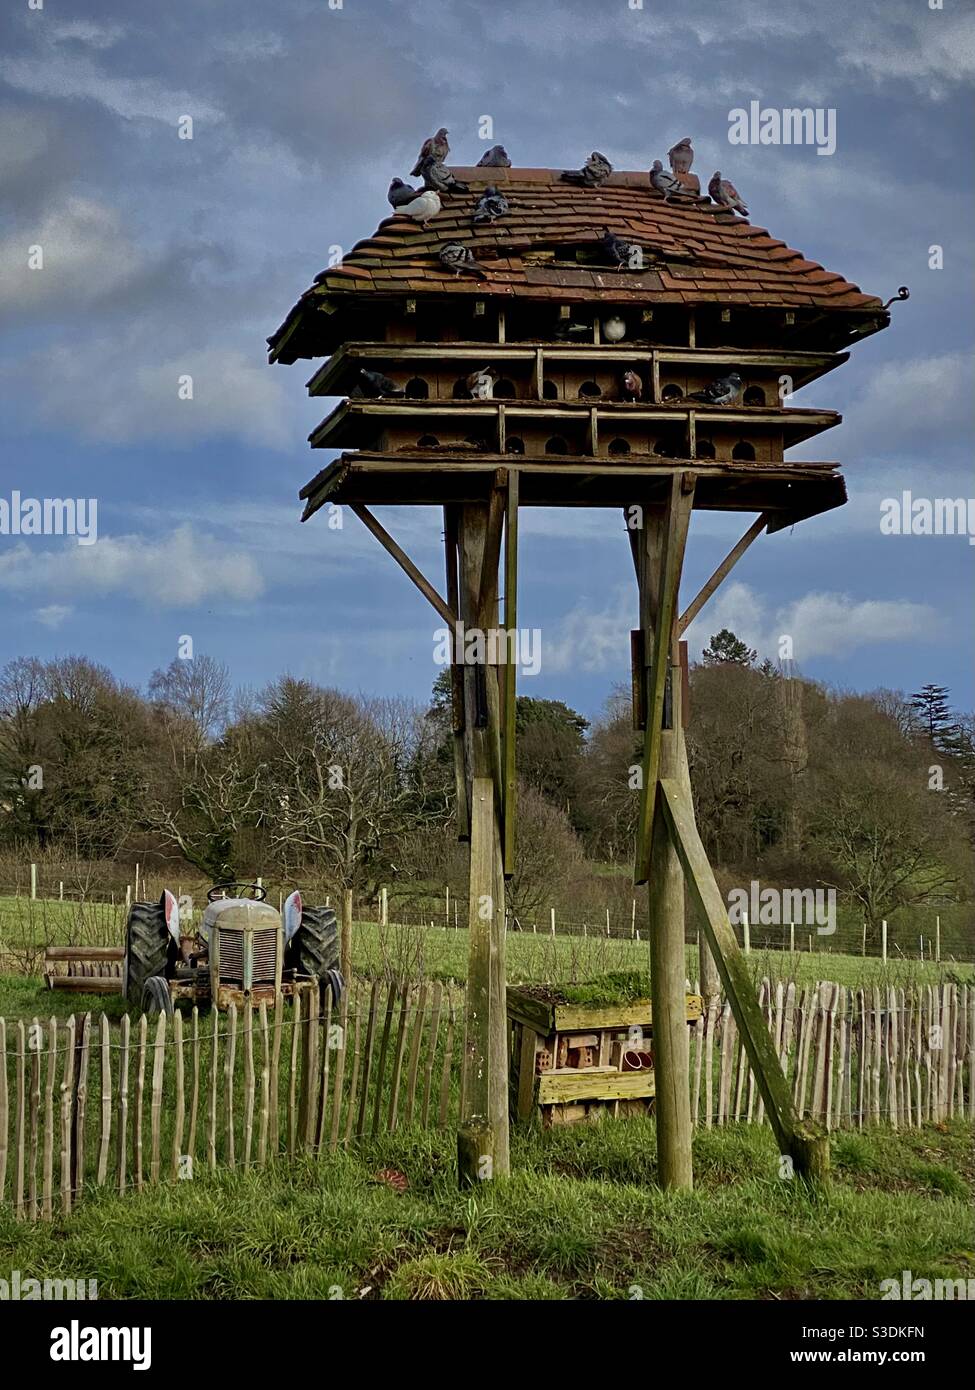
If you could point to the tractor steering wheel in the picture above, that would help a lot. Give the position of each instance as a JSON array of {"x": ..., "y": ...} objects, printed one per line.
[{"x": 256, "y": 891}]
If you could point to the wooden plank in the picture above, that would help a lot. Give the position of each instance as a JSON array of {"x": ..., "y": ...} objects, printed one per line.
[
  {"x": 21, "y": 1124},
  {"x": 4, "y": 1111},
  {"x": 360, "y": 1128},
  {"x": 432, "y": 1039},
  {"x": 214, "y": 1082},
  {"x": 36, "y": 1040},
  {"x": 569, "y": 1018},
  {"x": 249, "y": 1096},
  {"x": 67, "y": 1107},
  {"x": 414, "y": 1062},
  {"x": 230, "y": 1157},
  {"x": 297, "y": 1015},
  {"x": 537, "y": 1013},
  {"x": 525, "y": 1096},
  {"x": 106, "y": 1115},
  {"x": 327, "y": 1050},
  {"x": 568, "y": 1087},
  {"x": 47, "y": 1202},
  {"x": 405, "y": 564},
  {"x": 448, "y": 1064},
  {"x": 264, "y": 1122},
  {"x": 803, "y": 1142},
  {"x": 721, "y": 573},
  {"x": 709, "y": 1028},
  {"x": 195, "y": 1084},
  {"x": 121, "y": 1147},
  {"x": 353, "y": 1085},
  {"x": 155, "y": 1112},
  {"x": 383, "y": 1051},
  {"x": 277, "y": 1031},
  {"x": 508, "y": 739},
  {"x": 340, "y": 1070},
  {"x": 308, "y": 1101},
  {"x": 179, "y": 1116},
  {"x": 140, "y": 1082},
  {"x": 450, "y": 524},
  {"x": 404, "y": 1014}
]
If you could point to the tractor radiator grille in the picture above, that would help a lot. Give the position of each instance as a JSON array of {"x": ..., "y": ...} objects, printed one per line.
[
  {"x": 231, "y": 946},
  {"x": 265, "y": 956}
]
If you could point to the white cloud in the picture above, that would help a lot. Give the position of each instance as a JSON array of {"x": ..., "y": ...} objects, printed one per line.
[
  {"x": 66, "y": 75},
  {"x": 86, "y": 255},
  {"x": 820, "y": 624},
  {"x": 181, "y": 569},
  {"x": 910, "y": 403},
  {"x": 86, "y": 32},
  {"x": 53, "y": 615},
  {"x": 590, "y": 639}
]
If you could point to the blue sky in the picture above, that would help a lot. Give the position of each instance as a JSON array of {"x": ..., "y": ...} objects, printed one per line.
[{"x": 166, "y": 257}]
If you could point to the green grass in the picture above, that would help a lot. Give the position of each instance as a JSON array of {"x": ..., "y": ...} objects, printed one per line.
[{"x": 580, "y": 1218}]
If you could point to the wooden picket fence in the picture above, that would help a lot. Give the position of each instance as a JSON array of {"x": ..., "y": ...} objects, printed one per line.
[
  {"x": 85, "y": 1105},
  {"x": 854, "y": 1057}
]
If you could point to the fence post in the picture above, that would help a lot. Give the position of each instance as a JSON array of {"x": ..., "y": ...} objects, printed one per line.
[
  {"x": 746, "y": 941},
  {"x": 883, "y": 940},
  {"x": 128, "y": 897},
  {"x": 552, "y": 918},
  {"x": 937, "y": 939},
  {"x": 136, "y": 892},
  {"x": 633, "y": 919},
  {"x": 61, "y": 890},
  {"x": 446, "y": 910},
  {"x": 607, "y": 921},
  {"x": 345, "y": 952},
  {"x": 384, "y": 906},
  {"x": 33, "y": 881}
]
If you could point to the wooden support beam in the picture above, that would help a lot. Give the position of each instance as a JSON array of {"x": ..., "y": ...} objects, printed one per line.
[
  {"x": 492, "y": 549},
  {"x": 803, "y": 1141},
  {"x": 722, "y": 572},
  {"x": 509, "y": 703},
  {"x": 456, "y": 679},
  {"x": 673, "y": 542},
  {"x": 405, "y": 563},
  {"x": 539, "y": 373}
]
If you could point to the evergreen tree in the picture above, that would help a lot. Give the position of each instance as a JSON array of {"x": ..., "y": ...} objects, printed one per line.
[{"x": 725, "y": 647}]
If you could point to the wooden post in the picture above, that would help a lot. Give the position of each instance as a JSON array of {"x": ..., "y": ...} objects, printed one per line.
[
  {"x": 384, "y": 906},
  {"x": 792, "y": 938},
  {"x": 345, "y": 946},
  {"x": 883, "y": 940},
  {"x": 482, "y": 1149},
  {"x": 937, "y": 939},
  {"x": 33, "y": 881},
  {"x": 746, "y": 941}
]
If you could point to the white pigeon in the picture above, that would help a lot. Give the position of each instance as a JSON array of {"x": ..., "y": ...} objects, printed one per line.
[
  {"x": 423, "y": 207},
  {"x": 614, "y": 329},
  {"x": 481, "y": 384}
]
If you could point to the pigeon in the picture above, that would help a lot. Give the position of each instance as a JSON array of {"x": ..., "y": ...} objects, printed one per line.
[
  {"x": 622, "y": 253},
  {"x": 494, "y": 158},
  {"x": 481, "y": 383},
  {"x": 667, "y": 184},
  {"x": 564, "y": 330},
  {"x": 424, "y": 206},
  {"x": 490, "y": 206},
  {"x": 400, "y": 193},
  {"x": 460, "y": 258},
  {"x": 437, "y": 176},
  {"x": 595, "y": 171},
  {"x": 720, "y": 391},
  {"x": 614, "y": 329},
  {"x": 726, "y": 194},
  {"x": 375, "y": 384},
  {"x": 632, "y": 386},
  {"x": 681, "y": 156},
  {"x": 436, "y": 146}
]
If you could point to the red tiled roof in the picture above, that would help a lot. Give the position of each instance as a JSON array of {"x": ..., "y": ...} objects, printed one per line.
[{"x": 694, "y": 253}]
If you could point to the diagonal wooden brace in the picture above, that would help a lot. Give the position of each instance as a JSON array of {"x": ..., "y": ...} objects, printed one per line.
[{"x": 803, "y": 1141}]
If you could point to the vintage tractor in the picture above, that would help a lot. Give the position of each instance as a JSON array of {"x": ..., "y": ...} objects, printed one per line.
[{"x": 244, "y": 951}]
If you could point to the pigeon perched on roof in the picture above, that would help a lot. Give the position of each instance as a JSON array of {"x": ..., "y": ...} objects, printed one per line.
[
  {"x": 595, "y": 171},
  {"x": 490, "y": 206},
  {"x": 436, "y": 146},
  {"x": 667, "y": 184},
  {"x": 632, "y": 386},
  {"x": 726, "y": 194},
  {"x": 721, "y": 391},
  {"x": 375, "y": 384},
  {"x": 459, "y": 258},
  {"x": 681, "y": 156},
  {"x": 481, "y": 383},
  {"x": 424, "y": 206},
  {"x": 437, "y": 176},
  {"x": 400, "y": 193},
  {"x": 494, "y": 158},
  {"x": 622, "y": 254}
]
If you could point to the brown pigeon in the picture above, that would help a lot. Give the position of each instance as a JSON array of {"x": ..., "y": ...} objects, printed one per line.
[
  {"x": 681, "y": 156},
  {"x": 436, "y": 147},
  {"x": 632, "y": 386},
  {"x": 726, "y": 194}
]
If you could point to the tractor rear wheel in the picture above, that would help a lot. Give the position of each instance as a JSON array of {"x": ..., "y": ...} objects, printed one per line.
[
  {"x": 147, "y": 948},
  {"x": 314, "y": 948}
]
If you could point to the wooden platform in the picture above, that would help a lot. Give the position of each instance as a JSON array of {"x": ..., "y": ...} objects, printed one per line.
[{"x": 790, "y": 492}]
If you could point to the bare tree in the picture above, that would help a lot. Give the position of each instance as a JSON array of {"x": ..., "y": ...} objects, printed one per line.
[{"x": 198, "y": 687}]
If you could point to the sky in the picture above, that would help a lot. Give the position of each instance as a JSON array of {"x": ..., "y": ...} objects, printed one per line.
[{"x": 166, "y": 258}]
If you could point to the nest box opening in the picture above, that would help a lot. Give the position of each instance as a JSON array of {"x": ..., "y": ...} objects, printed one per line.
[{"x": 744, "y": 450}]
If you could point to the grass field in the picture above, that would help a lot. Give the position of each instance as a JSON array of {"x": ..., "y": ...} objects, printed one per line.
[{"x": 580, "y": 1218}]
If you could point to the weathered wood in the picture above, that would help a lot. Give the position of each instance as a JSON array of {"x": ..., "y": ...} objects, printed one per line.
[
  {"x": 343, "y": 1040},
  {"x": 179, "y": 1111},
  {"x": 155, "y": 1114},
  {"x": 525, "y": 1097},
  {"x": 249, "y": 1097},
  {"x": 67, "y": 1107},
  {"x": 405, "y": 564},
  {"x": 353, "y": 1085},
  {"x": 121, "y": 1149},
  {"x": 448, "y": 1065},
  {"x": 230, "y": 1158},
  {"x": 345, "y": 944},
  {"x": 20, "y": 1128},
  {"x": 326, "y": 1069},
  {"x": 195, "y": 1084},
  {"x": 4, "y": 1111},
  {"x": 383, "y": 1051},
  {"x": 435, "y": 1008},
  {"x": 360, "y": 1128},
  {"x": 404, "y": 1015},
  {"x": 47, "y": 1202},
  {"x": 214, "y": 1084},
  {"x": 140, "y": 1082},
  {"x": 476, "y": 1158},
  {"x": 721, "y": 573},
  {"x": 264, "y": 1122},
  {"x": 450, "y": 515},
  {"x": 415, "y": 1042},
  {"x": 508, "y": 741},
  {"x": 801, "y": 1140},
  {"x": 106, "y": 1115},
  {"x": 277, "y": 1032},
  {"x": 571, "y": 1085}
]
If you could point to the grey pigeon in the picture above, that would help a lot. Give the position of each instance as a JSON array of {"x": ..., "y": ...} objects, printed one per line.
[
  {"x": 375, "y": 384},
  {"x": 667, "y": 184},
  {"x": 481, "y": 383},
  {"x": 719, "y": 392},
  {"x": 622, "y": 254},
  {"x": 460, "y": 259},
  {"x": 400, "y": 193},
  {"x": 725, "y": 194},
  {"x": 424, "y": 206},
  {"x": 564, "y": 330},
  {"x": 494, "y": 158},
  {"x": 681, "y": 156},
  {"x": 490, "y": 206},
  {"x": 436, "y": 146},
  {"x": 437, "y": 176},
  {"x": 595, "y": 171}
]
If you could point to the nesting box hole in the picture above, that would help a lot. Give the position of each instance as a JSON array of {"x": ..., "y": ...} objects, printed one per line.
[
  {"x": 428, "y": 441},
  {"x": 556, "y": 445},
  {"x": 549, "y": 391},
  {"x": 417, "y": 389},
  {"x": 744, "y": 450},
  {"x": 754, "y": 396},
  {"x": 705, "y": 449},
  {"x": 589, "y": 389},
  {"x": 515, "y": 445},
  {"x": 505, "y": 389},
  {"x": 619, "y": 446},
  {"x": 671, "y": 393}
]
